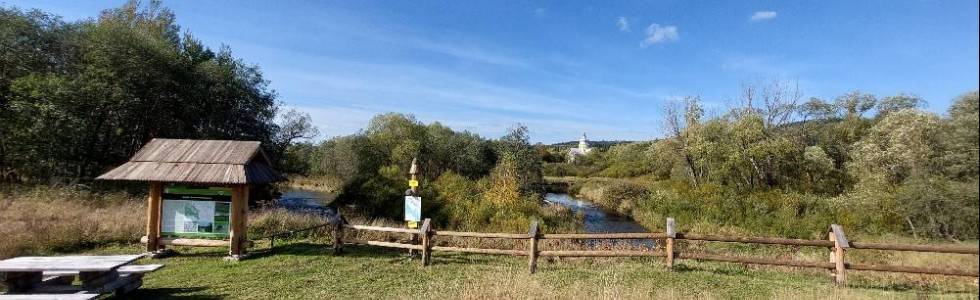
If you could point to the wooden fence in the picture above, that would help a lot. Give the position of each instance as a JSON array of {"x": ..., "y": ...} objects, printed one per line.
[{"x": 836, "y": 242}]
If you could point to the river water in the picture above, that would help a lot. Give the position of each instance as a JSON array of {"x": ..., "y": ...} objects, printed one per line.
[
  {"x": 307, "y": 201},
  {"x": 596, "y": 220}
]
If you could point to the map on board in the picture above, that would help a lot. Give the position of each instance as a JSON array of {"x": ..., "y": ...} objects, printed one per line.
[{"x": 195, "y": 213}]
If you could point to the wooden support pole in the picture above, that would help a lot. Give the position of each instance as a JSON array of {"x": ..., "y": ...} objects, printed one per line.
[
  {"x": 153, "y": 211},
  {"x": 836, "y": 234},
  {"x": 338, "y": 235},
  {"x": 532, "y": 250},
  {"x": 426, "y": 232},
  {"x": 239, "y": 209},
  {"x": 669, "y": 241}
]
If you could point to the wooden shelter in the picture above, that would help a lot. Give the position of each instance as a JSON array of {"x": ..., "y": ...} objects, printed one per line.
[{"x": 235, "y": 165}]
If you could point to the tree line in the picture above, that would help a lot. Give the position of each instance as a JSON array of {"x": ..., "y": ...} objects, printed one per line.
[
  {"x": 77, "y": 98},
  {"x": 904, "y": 168}
]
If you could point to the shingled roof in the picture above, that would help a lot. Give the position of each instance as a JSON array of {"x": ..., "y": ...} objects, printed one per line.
[{"x": 197, "y": 161}]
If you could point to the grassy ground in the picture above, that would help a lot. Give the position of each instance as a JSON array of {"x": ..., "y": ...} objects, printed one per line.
[{"x": 302, "y": 269}]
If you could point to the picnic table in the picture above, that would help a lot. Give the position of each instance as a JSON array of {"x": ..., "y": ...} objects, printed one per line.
[{"x": 53, "y": 276}]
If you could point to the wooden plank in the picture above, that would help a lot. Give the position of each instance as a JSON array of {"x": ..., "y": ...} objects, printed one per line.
[
  {"x": 170, "y": 241},
  {"x": 915, "y": 270},
  {"x": 126, "y": 269},
  {"x": 129, "y": 269},
  {"x": 481, "y": 234},
  {"x": 386, "y": 244},
  {"x": 480, "y": 250},
  {"x": 81, "y": 263},
  {"x": 153, "y": 216},
  {"x": 916, "y": 248},
  {"x": 754, "y": 260},
  {"x": 755, "y": 240},
  {"x": 532, "y": 251},
  {"x": 383, "y": 229},
  {"x": 596, "y": 236},
  {"x": 603, "y": 253}
]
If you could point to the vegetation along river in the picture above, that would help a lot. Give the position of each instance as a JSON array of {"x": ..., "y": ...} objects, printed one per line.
[{"x": 596, "y": 220}]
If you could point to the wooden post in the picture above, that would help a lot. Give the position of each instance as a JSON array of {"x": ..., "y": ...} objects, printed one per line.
[
  {"x": 239, "y": 210},
  {"x": 153, "y": 211},
  {"x": 669, "y": 247},
  {"x": 532, "y": 251},
  {"x": 413, "y": 190},
  {"x": 836, "y": 234},
  {"x": 338, "y": 235},
  {"x": 426, "y": 231}
]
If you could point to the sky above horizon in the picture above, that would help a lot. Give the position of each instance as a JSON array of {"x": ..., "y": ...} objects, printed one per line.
[{"x": 567, "y": 67}]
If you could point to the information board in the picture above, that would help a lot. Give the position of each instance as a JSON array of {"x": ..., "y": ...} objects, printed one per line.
[
  {"x": 196, "y": 212},
  {"x": 413, "y": 208}
]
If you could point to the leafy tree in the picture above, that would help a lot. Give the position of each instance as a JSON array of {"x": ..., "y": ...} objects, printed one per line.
[
  {"x": 82, "y": 97},
  {"x": 898, "y": 102}
]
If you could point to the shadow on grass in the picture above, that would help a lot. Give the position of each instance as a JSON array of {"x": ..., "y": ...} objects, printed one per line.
[
  {"x": 461, "y": 259},
  {"x": 168, "y": 293}
]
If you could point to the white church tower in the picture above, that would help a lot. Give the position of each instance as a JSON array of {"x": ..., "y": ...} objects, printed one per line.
[{"x": 583, "y": 149}]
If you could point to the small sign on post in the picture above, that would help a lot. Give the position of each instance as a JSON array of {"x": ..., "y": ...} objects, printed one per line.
[{"x": 413, "y": 209}]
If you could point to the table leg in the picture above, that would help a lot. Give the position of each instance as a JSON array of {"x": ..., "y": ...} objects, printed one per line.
[{"x": 21, "y": 282}]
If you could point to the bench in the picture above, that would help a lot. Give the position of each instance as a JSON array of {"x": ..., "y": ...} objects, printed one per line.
[
  {"x": 54, "y": 277},
  {"x": 127, "y": 269},
  {"x": 60, "y": 281}
]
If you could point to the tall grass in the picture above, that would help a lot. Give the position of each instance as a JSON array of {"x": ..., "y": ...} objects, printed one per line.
[{"x": 42, "y": 219}]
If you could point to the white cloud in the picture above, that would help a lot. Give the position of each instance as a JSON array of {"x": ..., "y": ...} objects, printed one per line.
[
  {"x": 623, "y": 24},
  {"x": 658, "y": 34},
  {"x": 763, "y": 15}
]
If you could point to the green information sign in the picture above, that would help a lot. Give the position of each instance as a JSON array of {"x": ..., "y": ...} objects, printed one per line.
[{"x": 196, "y": 212}]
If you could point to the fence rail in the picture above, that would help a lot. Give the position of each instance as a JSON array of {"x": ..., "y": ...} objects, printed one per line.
[{"x": 837, "y": 243}]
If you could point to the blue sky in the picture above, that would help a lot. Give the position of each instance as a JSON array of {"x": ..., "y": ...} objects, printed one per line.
[{"x": 567, "y": 67}]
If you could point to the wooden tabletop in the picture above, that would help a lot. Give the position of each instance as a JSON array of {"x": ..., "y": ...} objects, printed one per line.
[{"x": 81, "y": 263}]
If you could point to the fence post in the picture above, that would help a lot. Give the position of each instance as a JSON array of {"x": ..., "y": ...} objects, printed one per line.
[
  {"x": 338, "y": 236},
  {"x": 532, "y": 251},
  {"x": 671, "y": 234},
  {"x": 836, "y": 235},
  {"x": 426, "y": 231}
]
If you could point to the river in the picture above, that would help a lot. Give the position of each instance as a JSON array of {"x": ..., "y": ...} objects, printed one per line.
[{"x": 596, "y": 219}]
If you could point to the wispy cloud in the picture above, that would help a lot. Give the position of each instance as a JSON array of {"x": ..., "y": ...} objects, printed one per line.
[
  {"x": 660, "y": 34},
  {"x": 623, "y": 24},
  {"x": 763, "y": 15}
]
